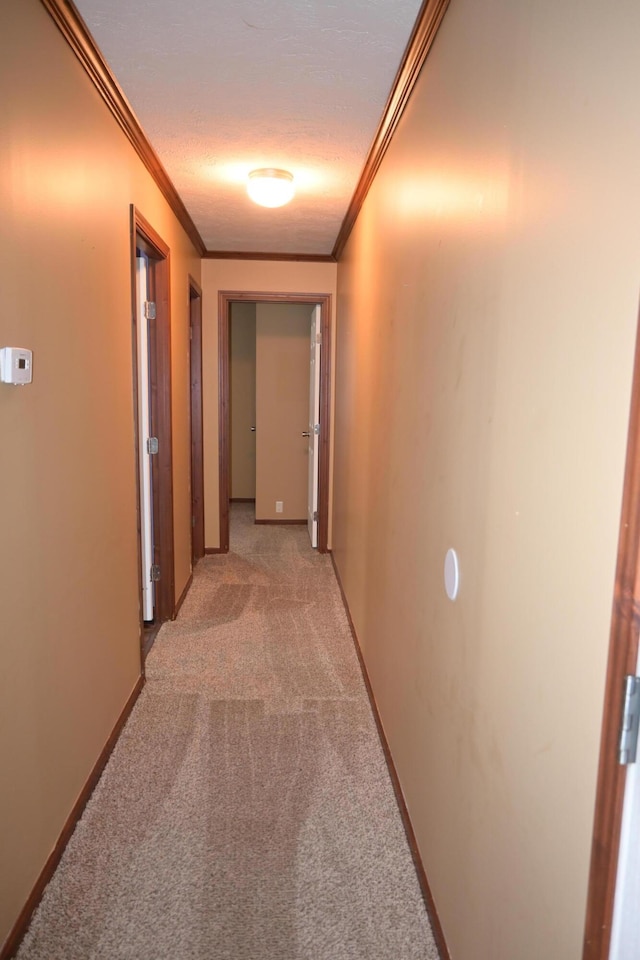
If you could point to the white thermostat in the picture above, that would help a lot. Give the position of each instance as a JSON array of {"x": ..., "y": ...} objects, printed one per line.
[{"x": 15, "y": 365}]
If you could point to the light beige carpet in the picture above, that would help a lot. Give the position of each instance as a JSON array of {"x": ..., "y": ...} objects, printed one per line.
[{"x": 246, "y": 812}]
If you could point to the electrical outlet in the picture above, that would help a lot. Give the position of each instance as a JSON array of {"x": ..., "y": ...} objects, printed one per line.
[{"x": 279, "y": 506}]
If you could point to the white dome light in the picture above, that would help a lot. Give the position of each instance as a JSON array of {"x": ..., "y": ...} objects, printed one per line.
[{"x": 270, "y": 188}]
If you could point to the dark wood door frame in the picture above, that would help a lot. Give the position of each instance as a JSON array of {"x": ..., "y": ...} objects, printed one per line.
[
  {"x": 197, "y": 454},
  {"x": 623, "y": 654},
  {"x": 144, "y": 237},
  {"x": 225, "y": 299}
]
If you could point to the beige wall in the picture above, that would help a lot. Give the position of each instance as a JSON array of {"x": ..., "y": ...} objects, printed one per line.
[
  {"x": 242, "y": 390},
  {"x": 68, "y": 562},
  {"x": 249, "y": 276},
  {"x": 487, "y": 307},
  {"x": 282, "y": 404}
]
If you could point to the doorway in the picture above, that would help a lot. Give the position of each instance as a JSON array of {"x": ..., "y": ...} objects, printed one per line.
[
  {"x": 323, "y": 301},
  {"x": 151, "y": 336}
]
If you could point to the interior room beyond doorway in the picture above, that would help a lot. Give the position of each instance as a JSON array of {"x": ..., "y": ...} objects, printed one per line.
[{"x": 269, "y": 393}]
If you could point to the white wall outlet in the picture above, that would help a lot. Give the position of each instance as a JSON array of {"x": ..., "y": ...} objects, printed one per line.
[{"x": 279, "y": 506}]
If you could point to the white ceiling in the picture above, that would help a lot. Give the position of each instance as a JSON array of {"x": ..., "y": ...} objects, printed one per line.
[{"x": 221, "y": 87}]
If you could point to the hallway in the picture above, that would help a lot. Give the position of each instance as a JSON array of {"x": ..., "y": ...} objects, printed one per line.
[{"x": 246, "y": 812}]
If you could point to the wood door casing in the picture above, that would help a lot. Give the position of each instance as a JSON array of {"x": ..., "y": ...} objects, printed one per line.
[
  {"x": 623, "y": 656},
  {"x": 197, "y": 453}
]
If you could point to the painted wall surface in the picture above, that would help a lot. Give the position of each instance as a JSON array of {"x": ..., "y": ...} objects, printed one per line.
[
  {"x": 242, "y": 391},
  {"x": 487, "y": 305},
  {"x": 249, "y": 276},
  {"x": 282, "y": 405},
  {"x": 69, "y": 632}
]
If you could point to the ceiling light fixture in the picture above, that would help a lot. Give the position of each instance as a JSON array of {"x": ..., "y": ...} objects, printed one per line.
[{"x": 270, "y": 188}]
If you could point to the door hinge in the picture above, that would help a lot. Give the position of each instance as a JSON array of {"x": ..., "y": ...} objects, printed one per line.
[
  {"x": 152, "y": 444},
  {"x": 316, "y": 429},
  {"x": 318, "y": 338},
  {"x": 154, "y": 573},
  {"x": 149, "y": 310},
  {"x": 193, "y": 520},
  {"x": 190, "y": 333},
  {"x": 315, "y": 516},
  {"x": 630, "y": 720}
]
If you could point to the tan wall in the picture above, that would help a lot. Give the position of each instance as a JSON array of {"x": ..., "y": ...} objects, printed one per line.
[
  {"x": 250, "y": 276},
  {"x": 282, "y": 404},
  {"x": 68, "y": 561},
  {"x": 242, "y": 390},
  {"x": 487, "y": 311}
]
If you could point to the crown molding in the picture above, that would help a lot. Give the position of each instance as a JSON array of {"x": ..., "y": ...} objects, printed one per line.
[
  {"x": 299, "y": 257},
  {"x": 68, "y": 20},
  {"x": 422, "y": 37},
  {"x": 71, "y": 25}
]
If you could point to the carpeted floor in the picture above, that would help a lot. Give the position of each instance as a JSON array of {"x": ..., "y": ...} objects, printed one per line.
[{"x": 246, "y": 812}]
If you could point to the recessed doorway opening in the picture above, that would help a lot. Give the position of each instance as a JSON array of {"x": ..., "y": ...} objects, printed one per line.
[
  {"x": 290, "y": 434},
  {"x": 151, "y": 345}
]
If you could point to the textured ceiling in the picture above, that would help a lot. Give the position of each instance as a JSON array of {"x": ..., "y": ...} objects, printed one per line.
[{"x": 221, "y": 87}]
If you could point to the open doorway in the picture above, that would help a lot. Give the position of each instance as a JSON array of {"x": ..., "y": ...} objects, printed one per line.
[
  {"x": 151, "y": 335},
  {"x": 309, "y": 430}
]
